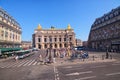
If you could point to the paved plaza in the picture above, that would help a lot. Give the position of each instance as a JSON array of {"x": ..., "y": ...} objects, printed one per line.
[{"x": 30, "y": 68}]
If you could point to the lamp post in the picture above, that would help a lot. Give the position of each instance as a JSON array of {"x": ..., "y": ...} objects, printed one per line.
[
  {"x": 66, "y": 36},
  {"x": 50, "y": 53},
  {"x": 76, "y": 42},
  {"x": 67, "y": 40},
  {"x": 107, "y": 55}
]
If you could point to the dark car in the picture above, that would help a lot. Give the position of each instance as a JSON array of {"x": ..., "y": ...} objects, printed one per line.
[{"x": 79, "y": 48}]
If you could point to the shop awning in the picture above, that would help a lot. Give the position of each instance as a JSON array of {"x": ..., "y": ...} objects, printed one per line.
[{"x": 9, "y": 49}]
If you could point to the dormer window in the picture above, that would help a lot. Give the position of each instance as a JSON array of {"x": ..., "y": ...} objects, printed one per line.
[
  {"x": 99, "y": 21},
  {"x": 116, "y": 13},
  {"x": 111, "y": 15},
  {"x": 103, "y": 19},
  {"x": 106, "y": 18}
]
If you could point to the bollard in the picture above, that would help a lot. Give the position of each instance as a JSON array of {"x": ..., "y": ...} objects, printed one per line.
[
  {"x": 102, "y": 57},
  {"x": 83, "y": 59},
  {"x": 110, "y": 56},
  {"x": 93, "y": 58}
]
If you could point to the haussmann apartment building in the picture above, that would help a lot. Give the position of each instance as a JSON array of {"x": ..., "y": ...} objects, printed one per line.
[
  {"x": 10, "y": 31},
  {"x": 105, "y": 31}
]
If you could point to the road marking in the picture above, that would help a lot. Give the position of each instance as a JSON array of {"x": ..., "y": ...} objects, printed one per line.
[
  {"x": 98, "y": 66},
  {"x": 38, "y": 63},
  {"x": 35, "y": 63},
  {"x": 54, "y": 69},
  {"x": 2, "y": 66},
  {"x": 31, "y": 62},
  {"x": 27, "y": 62},
  {"x": 17, "y": 63},
  {"x": 84, "y": 78},
  {"x": 56, "y": 74},
  {"x": 78, "y": 73},
  {"x": 115, "y": 64},
  {"x": 74, "y": 68},
  {"x": 22, "y": 63},
  {"x": 68, "y": 67},
  {"x": 12, "y": 64},
  {"x": 110, "y": 74}
]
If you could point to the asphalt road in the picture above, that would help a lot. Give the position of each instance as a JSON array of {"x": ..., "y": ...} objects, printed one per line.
[
  {"x": 93, "y": 71},
  {"x": 30, "y": 68}
]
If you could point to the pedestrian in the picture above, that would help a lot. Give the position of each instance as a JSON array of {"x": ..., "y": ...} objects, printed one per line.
[
  {"x": 54, "y": 60},
  {"x": 40, "y": 58},
  {"x": 16, "y": 58}
]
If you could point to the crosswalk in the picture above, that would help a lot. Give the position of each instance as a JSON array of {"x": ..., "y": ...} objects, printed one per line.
[{"x": 21, "y": 63}]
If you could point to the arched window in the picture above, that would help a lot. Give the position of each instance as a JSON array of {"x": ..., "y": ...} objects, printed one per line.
[
  {"x": 60, "y": 45},
  {"x": 70, "y": 38},
  {"x": 65, "y": 45},
  {"x": 39, "y": 46},
  {"x": 45, "y": 46},
  {"x": 111, "y": 15},
  {"x": 50, "y": 45},
  {"x": 50, "y": 38},
  {"x": 55, "y": 45},
  {"x": 116, "y": 13},
  {"x": 106, "y": 18},
  {"x": 39, "y": 39}
]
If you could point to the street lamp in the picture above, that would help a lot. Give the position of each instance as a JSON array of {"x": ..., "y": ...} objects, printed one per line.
[
  {"x": 66, "y": 36},
  {"x": 50, "y": 54},
  {"x": 76, "y": 42},
  {"x": 107, "y": 55},
  {"x": 68, "y": 42}
]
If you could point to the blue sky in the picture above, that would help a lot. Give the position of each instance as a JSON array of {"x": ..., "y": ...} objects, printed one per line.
[{"x": 80, "y": 14}]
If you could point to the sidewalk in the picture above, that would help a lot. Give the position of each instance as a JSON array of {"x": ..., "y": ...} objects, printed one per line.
[
  {"x": 97, "y": 58},
  {"x": 4, "y": 59}
]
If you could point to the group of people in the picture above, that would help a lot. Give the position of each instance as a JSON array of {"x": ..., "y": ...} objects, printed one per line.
[
  {"x": 79, "y": 54},
  {"x": 51, "y": 54}
]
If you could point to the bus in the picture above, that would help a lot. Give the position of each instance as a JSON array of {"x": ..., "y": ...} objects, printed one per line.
[{"x": 22, "y": 54}]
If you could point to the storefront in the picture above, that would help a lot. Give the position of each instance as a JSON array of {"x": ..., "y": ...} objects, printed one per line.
[{"x": 115, "y": 46}]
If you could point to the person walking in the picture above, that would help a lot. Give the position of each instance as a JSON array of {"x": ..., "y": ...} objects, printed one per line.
[
  {"x": 40, "y": 58},
  {"x": 16, "y": 58}
]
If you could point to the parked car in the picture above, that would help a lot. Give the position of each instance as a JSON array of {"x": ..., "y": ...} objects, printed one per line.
[{"x": 79, "y": 48}]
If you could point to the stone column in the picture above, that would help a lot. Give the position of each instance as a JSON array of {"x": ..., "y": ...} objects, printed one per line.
[
  {"x": 53, "y": 41},
  {"x": 48, "y": 45},
  {"x": 42, "y": 45},
  {"x": 58, "y": 45},
  {"x": 53, "y": 45},
  {"x": 36, "y": 41},
  {"x": 42, "y": 39},
  {"x": 57, "y": 37},
  {"x": 63, "y": 45}
]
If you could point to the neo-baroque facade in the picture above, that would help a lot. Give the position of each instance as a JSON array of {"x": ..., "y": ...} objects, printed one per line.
[{"x": 55, "y": 38}]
